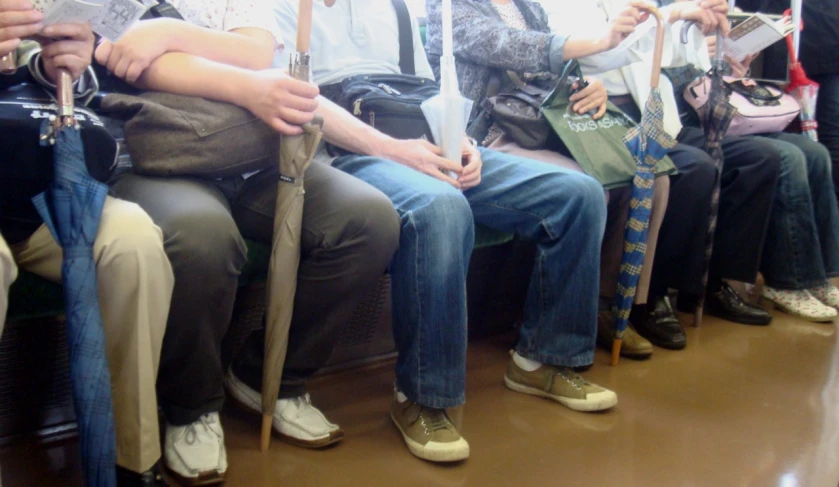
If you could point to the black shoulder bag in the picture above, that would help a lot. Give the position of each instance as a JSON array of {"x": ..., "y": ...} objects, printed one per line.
[
  {"x": 26, "y": 165},
  {"x": 390, "y": 102}
]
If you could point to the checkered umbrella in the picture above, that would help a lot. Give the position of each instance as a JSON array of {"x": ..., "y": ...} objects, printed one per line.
[
  {"x": 715, "y": 117},
  {"x": 648, "y": 143},
  {"x": 71, "y": 209}
]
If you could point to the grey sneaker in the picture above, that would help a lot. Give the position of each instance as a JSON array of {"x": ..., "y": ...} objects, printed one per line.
[
  {"x": 428, "y": 432},
  {"x": 561, "y": 384}
]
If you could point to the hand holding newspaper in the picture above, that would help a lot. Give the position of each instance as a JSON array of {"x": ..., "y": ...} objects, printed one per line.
[
  {"x": 108, "y": 18},
  {"x": 754, "y": 35}
]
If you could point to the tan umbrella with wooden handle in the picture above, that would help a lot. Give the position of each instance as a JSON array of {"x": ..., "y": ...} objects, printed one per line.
[{"x": 296, "y": 154}]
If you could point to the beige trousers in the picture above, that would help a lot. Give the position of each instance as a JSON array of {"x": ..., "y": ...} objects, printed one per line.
[
  {"x": 8, "y": 274},
  {"x": 612, "y": 248},
  {"x": 135, "y": 286}
]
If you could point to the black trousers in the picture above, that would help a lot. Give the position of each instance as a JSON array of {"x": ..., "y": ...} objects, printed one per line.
[
  {"x": 350, "y": 231},
  {"x": 749, "y": 176}
]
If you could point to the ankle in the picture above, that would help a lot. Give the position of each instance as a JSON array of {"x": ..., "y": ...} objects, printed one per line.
[{"x": 525, "y": 363}]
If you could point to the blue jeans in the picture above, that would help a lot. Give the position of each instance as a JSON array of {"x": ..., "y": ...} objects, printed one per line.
[
  {"x": 563, "y": 212},
  {"x": 802, "y": 245},
  {"x": 827, "y": 114}
]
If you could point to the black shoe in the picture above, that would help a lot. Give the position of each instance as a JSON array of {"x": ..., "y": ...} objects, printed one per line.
[
  {"x": 659, "y": 325},
  {"x": 728, "y": 305},
  {"x": 149, "y": 478}
]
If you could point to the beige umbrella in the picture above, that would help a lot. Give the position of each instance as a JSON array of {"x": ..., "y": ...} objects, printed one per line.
[{"x": 296, "y": 154}]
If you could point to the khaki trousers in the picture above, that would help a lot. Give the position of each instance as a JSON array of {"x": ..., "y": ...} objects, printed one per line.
[
  {"x": 612, "y": 247},
  {"x": 135, "y": 286},
  {"x": 8, "y": 274}
]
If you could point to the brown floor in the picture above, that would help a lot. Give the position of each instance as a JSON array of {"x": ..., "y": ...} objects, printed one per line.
[{"x": 742, "y": 406}]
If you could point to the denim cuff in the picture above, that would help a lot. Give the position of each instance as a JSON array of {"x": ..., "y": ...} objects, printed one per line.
[
  {"x": 556, "y": 54},
  {"x": 579, "y": 360}
]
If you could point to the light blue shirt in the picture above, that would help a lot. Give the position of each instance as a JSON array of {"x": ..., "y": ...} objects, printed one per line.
[{"x": 352, "y": 37}]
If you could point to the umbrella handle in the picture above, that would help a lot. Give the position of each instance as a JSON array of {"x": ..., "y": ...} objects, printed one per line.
[
  {"x": 8, "y": 63},
  {"x": 64, "y": 99},
  {"x": 659, "y": 45}
]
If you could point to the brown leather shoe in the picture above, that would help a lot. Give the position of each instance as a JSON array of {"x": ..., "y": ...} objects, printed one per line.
[{"x": 634, "y": 346}]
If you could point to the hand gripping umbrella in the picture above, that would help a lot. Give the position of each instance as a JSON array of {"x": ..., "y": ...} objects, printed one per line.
[
  {"x": 448, "y": 113},
  {"x": 648, "y": 143},
  {"x": 71, "y": 209},
  {"x": 296, "y": 154}
]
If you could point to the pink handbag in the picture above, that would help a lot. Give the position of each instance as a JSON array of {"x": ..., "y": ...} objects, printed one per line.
[{"x": 761, "y": 107}]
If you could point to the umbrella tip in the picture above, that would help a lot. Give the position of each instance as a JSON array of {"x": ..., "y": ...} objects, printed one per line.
[{"x": 267, "y": 423}]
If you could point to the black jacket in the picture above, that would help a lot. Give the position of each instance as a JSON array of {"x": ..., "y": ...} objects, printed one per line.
[{"x": 820, "y": 37}]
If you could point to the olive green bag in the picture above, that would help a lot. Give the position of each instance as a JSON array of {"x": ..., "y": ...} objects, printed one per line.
[{"x": 596, "y": 145}]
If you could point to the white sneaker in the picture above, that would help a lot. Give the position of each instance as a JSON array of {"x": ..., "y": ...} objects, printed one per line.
[
  {"x": 828, "y": 294},
  {"x": 195, "y": 453},
  {"x": 800, "y": 303},
  {"x": 296, "y": 420}
]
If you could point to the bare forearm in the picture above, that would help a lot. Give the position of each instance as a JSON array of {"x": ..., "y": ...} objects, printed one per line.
[
  {"x": 349, "y": 133},
  {"x": 577, "y": 47},
  {"x": 184, "y": 74},
  {"x": 247, "y": 48}
]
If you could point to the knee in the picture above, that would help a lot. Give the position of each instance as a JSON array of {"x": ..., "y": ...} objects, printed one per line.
[
  {"x": 818, "y": 161},
  {"x": 127, "y": 239},
  {"x": 372, "y": 221},
  {"x": 207, "y": 242},
  {"x": 585, "y": 195},
  {"x": 444, "y": 215},
  {"x": 8, "y": 270}
]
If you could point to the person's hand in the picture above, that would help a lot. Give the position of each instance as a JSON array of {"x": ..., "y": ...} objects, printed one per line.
[
  {"x": 708, "y": 19},
  {"x": 739, "y": 69},
  {"x": 72, "y": 49},
  {"x": 592, "y": 97},
  {"x": 280, "y": 101},
  {"x": 134, "y": 52},
  {"x": 426, "y": 158},
  {"x": 472, "y": 164},
  {"x": 17, "y": 20},
  {"x": 624, "y": 24}
]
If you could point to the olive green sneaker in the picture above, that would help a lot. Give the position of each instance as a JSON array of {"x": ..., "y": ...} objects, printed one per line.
[
  {"x": 428, "y": 432},
  {"x": 561, "y": 384}
]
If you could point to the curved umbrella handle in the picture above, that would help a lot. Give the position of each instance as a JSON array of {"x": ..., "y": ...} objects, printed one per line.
[{"x": 659, "y": 45}]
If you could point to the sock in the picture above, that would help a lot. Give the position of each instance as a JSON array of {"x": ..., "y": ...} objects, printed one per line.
[
  {"x": 401, "y": 397},
  {"x": 525, "y": 363}
]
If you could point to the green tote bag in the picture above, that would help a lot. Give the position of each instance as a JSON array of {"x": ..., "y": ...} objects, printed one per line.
[{"x": 596, "y": 145}]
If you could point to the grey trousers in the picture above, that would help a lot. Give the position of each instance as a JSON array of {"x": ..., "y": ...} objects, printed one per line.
[{"x": 350, "y": 232}]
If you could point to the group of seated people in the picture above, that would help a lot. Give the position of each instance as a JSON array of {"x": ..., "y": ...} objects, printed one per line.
[{"x": 170, "y": 249}]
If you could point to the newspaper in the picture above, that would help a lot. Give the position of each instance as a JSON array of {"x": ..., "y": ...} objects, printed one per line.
[
  {"x": 108, "y": 18},
  {"x": 754, "y": 35}
]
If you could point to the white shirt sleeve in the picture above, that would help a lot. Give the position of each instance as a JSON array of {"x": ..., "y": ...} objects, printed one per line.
[
  {"x": 240, "y": 14},
  {"x": 421, "y": 64}
]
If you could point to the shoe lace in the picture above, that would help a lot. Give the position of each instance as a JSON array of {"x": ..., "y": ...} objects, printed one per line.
[
  {"x": 434, "y": 419},
  {"x": 303, "y": 403},
  {"x": 191, "y": 435},
  {"x": 572, "y": 377}
]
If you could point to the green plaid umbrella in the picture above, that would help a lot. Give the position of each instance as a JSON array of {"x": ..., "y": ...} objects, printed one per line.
[{"x": 648, "y": 143}]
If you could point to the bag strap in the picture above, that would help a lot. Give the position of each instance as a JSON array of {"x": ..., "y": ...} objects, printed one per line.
[
  {"x": 163, "y": 9},
  {"x": 738, "y": 87},
  {"x": 406, "y": 38}
]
